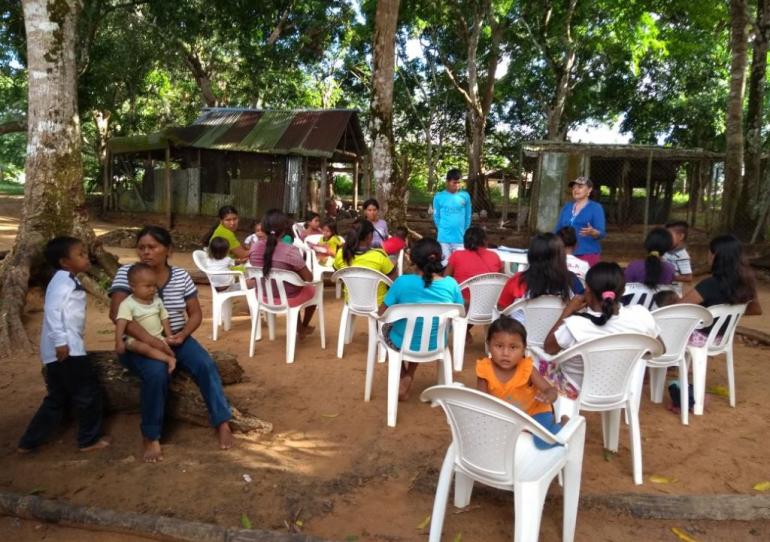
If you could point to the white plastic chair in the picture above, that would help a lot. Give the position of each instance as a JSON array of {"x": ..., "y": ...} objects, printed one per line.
[
  {"x": 222, "y": 302},
  {"x": 484, "y": 292},
  {"x": 432, "y": 316},
  {"x": 277, "y": 281},
  {"x": 641, "y": 294},
  {"x": 538, "y": 315},
  {"x": 720, "y": 341},
  {"x": 492, "y": 443},
  {"x": 315, "y": 266},
  {"x": 676, "y": 323},
  {"x": 611, "y": 369},
  {"x": 400, "y": 262},
  {"x": 361, "y": 284},
  {"x": 297, "y": 228},
  {"x": 513, "y": 262}
]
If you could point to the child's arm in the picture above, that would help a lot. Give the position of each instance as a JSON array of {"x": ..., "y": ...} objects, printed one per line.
[
  {"x": 482, "y": 384},
  {"x": 548, "y": 393},
  {"x": 120, "y": 331}
]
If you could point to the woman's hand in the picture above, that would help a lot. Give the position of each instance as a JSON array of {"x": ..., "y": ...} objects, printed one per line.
[
  {"x": 176, "y": 339},
  {"x": 589, "y": 231},
  {"x": 575, "y": 304}
]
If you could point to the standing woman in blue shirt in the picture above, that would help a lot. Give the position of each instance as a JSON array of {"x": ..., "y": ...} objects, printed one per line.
[
  {"x": 452, "y": 215},
  {"x": 587, "y": 217}
]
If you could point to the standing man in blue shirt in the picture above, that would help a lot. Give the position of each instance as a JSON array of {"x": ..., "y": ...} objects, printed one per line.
[{"x": 452, "y": 215}]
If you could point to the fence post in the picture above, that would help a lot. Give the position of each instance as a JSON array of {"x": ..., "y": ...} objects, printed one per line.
[{"x": 646, "y": 194}]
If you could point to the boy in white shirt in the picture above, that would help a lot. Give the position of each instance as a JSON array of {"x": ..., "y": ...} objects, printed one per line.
[
  {"x": 574, "y": 264},
  {"x": 70, "y": 377},
  {"x": 678, "y": 255}
]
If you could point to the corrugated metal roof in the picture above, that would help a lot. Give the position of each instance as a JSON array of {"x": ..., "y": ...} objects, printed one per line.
[{"x": 305, "y": 133}]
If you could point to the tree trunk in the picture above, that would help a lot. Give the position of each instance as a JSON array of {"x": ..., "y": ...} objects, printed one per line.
[
  {"x": 202, "y": 78},
  {"x": 477, "y": 185},
  {"x": 387, "y": 181},
  {"x": 54, "y": 201},
  {"x": 749, "y": 198},
  {"x": 734, "y": 130},
  {"x": 184, "y": 399},
  {"x": 557, "y": 132}
]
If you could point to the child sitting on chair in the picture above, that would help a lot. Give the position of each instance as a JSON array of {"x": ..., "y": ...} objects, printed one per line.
[
  {"x": 329, "y": 244},
  {"x": 258, "y": 235},
  {"x": 508, "y": 375},
  {"x": 145, "y": 308},
  {"x": 396, "y": 242},
  {"x": 218, "y": 259}
]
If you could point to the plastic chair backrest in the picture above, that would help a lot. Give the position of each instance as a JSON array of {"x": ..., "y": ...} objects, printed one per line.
[
  {"x": 297, "y": 228},
  {"x": 637, "y": 293},
  {"x": 540, "y": 314},
  {"x": 676, "y": 323},
  {"x": 485, "y": 431},
  {"x": 437, "y": 315},
  {"x": 315, "y": 238},
  {"x": 400, "y": 262},
  {"x": 609, "y": 364},
  {"x": 726, "y": 318},
  {"x": 361, "y": 284},
  {"x": 275, "y": 282},
  {"x": 199, "y": 258},
  {"x": 484, "y": 292}
]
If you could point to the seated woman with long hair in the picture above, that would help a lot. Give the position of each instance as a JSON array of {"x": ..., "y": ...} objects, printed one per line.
[
  {"x": 547, "y": 274},
  {"x": 653, "y": 270}
]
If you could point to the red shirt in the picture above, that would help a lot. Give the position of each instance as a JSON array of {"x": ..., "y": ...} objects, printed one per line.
[
  {"x": 469, "y": 263},
  {"x": 514, "y": 289},
  {"x": 393, "y": 245}
]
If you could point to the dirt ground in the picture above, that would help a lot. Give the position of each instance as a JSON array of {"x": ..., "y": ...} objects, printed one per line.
[{"x": 334, "y": 469}]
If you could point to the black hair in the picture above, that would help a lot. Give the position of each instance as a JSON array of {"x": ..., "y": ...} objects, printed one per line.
[
  {"x": 310, "y": 216},
  {"x": 136, "y": 269},
  {"x": 601, "y": 279},
  {"x": 731, "y": 269},
  {"x": 274, "y": 225},
  {"x": 453, "y": 174},
  {"x": 218, "y": 248},
  {"x": 426, "y": 255},
  {"x": 331, "y": 224},
  {"x": 371, "y": 201},
  {"x": 475, "y": 237},
  {"x": 679, "y": 226},
  {"x": 547, "y": 273},
  {"x": 568, "y": 236},
  {"x": 664, "y": 298},
  {"x": 159, "y": 233},
  {"x": 657, "y": 243},
  {"x": 359, "y": 231},
  {"x": 58, "y": 248},
  {"x": 506, "y": 324},
  {"x": 401, "y": 232},
  {"x": 221, "y": 214}
]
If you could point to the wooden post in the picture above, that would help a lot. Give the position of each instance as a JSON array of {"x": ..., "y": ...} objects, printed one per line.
[
  {"x": 355, "y": 184},
  {"x": 167, "y": 179},
  {"x": 324, "y": 180},
  {"x": 106, "y": 182},
  {"x": 506, "y": 196},
  {"x": 647, "y": 194}
]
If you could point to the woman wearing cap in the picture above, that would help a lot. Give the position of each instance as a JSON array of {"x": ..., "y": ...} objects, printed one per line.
[{"x": 587, "y": 217}]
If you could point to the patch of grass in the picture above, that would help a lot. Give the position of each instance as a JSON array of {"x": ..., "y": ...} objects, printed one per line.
[{"x": 10, "y": 188}]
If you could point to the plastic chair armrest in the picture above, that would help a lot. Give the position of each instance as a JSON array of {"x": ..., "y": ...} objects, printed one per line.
[
  {"x": 568, "y": 431},
  {"x": 539, "y": 352}
]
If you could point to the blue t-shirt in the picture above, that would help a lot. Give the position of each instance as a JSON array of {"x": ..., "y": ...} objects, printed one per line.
[
  {"x": 452, "y": 215},
  {"x": 411, "y": 289},
  {"x": 593, "y": 214}
]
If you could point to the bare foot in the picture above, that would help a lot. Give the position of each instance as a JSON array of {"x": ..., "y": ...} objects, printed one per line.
[
  {"x": 225, "y": 436},
  {"x": 98, "y": 445},
  {"x": 152, "y": 453},
  {"x": 304, "y": 331},
  {"x": 403, "y": 387}
]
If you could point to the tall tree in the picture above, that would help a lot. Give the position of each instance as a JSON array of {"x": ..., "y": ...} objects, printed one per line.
[
  {"x": 749, "y": 201},
  {"x": 734, "y": 128},
  {"x": 389, "y": 186},
  {"x": 53, "y": 193}
]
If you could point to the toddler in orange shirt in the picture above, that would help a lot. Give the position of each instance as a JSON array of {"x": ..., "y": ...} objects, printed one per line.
[{"x": 509, "y": 375}]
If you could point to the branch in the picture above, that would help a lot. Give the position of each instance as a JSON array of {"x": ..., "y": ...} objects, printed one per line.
[
  {"x": 13, "y": 126},
  {"x": 279, "y": 27},
  {"x": 538, "y": 45},
  {"x": 492, "y": 63}
]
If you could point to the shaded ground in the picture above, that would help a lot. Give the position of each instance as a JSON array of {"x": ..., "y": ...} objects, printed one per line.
[{"x": 334, "y": 465}]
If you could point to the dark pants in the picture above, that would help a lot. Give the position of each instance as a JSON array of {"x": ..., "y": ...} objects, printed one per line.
[
  {"x": 70, "y": 382},
  {"x": 191, "y": 357}
]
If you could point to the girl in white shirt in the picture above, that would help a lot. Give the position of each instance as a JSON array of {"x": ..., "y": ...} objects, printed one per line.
[
  {"x": 603, "y": 315},
  {"x": 218, "y": 259}
]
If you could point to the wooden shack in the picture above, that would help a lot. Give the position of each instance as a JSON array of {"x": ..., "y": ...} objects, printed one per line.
[{"x": 251, "y": 158}]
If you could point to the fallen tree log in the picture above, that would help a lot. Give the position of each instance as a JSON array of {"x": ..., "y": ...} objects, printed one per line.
[
  {"x": 147, "y": 525},
  {"x": 697, "y": 507},
  {"x": 754, "y": 334},
  {"x": 185, "y": 402}
]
